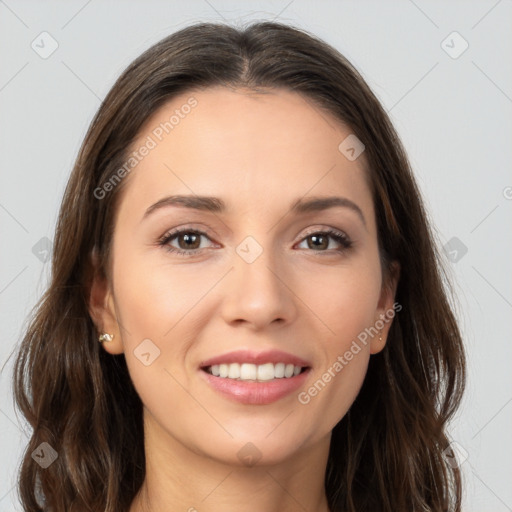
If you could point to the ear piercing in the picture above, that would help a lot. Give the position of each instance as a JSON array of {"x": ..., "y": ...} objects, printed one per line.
[{"x": 105, "y": 337}]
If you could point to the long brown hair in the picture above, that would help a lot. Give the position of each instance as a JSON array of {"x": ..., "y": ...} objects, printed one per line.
[{"x": 386, "y": 453}]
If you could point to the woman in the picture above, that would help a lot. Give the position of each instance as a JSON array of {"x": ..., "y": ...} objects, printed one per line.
[{"x": 246, "y": 309}]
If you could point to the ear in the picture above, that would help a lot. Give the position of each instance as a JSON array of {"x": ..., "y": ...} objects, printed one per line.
[
  {"x": 102, "y": 307},
  {"x": 386, "y": 308}
]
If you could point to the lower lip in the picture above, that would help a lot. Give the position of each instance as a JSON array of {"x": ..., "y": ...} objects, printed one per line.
[{"x": 256, "y": 393}]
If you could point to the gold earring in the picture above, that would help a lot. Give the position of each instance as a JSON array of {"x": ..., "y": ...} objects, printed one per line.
[
  {"x": 105, "y": 337},
  {"x": 380, "y": 336}
]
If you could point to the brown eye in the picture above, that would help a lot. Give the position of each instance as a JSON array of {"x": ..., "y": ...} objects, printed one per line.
[
  {"x": 320, "y": 241},
  {"x": 188, "y": 241}
]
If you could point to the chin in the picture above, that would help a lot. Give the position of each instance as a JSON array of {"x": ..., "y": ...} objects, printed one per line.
[{"x": 255, "y": 447}]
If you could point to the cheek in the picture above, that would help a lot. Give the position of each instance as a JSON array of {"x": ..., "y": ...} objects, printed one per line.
[
  {"x": 153, "y": 298},
  {"x": 347, "y": 308},
  {"x": 153, "y": 302},
  {"x": 345, "y": 298},
  {"x": 161, "y": 308}
]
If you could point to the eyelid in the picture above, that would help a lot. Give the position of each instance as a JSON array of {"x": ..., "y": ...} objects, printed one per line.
[
  {"x": 324, "y": 229},
  {"x": 175, "y": 232},
  {"x": 189, "y": 227}
]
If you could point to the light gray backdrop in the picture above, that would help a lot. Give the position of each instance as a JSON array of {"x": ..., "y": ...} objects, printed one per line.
[{"x": 443, "y": 70}]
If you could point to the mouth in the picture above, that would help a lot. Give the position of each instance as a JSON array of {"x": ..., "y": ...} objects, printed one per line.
[
  {"x": 255, "y": 378},
  {"x": 255, "y": 373}
]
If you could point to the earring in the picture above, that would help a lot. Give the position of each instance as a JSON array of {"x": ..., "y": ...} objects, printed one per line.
[
  {"x": 380, "y": 336},
  {"x": 105, "y": 337}
]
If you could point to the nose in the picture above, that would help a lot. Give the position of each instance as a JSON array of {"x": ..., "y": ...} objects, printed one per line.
[{"x": 259, "y": 293}]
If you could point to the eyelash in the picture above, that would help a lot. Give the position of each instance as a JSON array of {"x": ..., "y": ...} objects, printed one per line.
[{"x": 338, "y": 236}]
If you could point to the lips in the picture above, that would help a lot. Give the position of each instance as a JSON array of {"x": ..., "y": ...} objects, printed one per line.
[
  {"x": 254, "y": 387},
  {"x": 247, "y": 356}
]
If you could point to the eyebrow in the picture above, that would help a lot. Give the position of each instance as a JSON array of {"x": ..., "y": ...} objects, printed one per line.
[{"x": 217, "y": 205}]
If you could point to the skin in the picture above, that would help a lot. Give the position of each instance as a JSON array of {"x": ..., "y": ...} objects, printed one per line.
[{"x": 259, "y": 153}]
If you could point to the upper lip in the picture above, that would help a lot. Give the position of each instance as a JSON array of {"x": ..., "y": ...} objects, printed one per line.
[{"x": 248, "y": 356}]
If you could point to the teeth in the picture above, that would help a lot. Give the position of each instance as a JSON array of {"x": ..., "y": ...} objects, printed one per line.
[
  {"x": 247, "y": 371},
  {"x": 265, "y": 371},
  {"x": 279, "y": 370},
  {"x": 223, "y": 370}
]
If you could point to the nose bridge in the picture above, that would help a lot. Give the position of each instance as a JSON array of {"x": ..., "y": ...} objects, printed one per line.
[{"x": 258, "y": 294}]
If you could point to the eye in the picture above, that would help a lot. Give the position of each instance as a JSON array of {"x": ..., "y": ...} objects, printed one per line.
[
  {"x": 188, "y": 241},
  {"x": 320, "y": 240}
]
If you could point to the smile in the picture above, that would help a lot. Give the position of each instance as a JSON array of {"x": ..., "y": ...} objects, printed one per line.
[{"x": 252, "y": 372}]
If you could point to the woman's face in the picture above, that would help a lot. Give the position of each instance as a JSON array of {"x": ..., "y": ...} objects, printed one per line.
[{"x": 260, "y": 286}]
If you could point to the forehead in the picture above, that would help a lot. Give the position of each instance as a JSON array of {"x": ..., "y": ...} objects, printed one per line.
[{"x": 220, "y": 141}]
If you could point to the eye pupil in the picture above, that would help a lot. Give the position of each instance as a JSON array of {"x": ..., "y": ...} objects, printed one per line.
[
  {"x": 187, "y": 237},
  {"x": 316, "y": 238}
]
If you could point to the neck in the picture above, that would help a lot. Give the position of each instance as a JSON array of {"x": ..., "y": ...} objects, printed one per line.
[{"x": 180, "y": 479}]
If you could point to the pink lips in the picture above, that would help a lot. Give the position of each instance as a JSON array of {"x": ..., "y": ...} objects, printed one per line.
[
  {"x": 246, "y": 356},
  {"x": 252, "y": 392}
]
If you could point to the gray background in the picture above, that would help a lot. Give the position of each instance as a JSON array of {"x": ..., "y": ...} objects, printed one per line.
[{"x": 453, "y": 114}]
